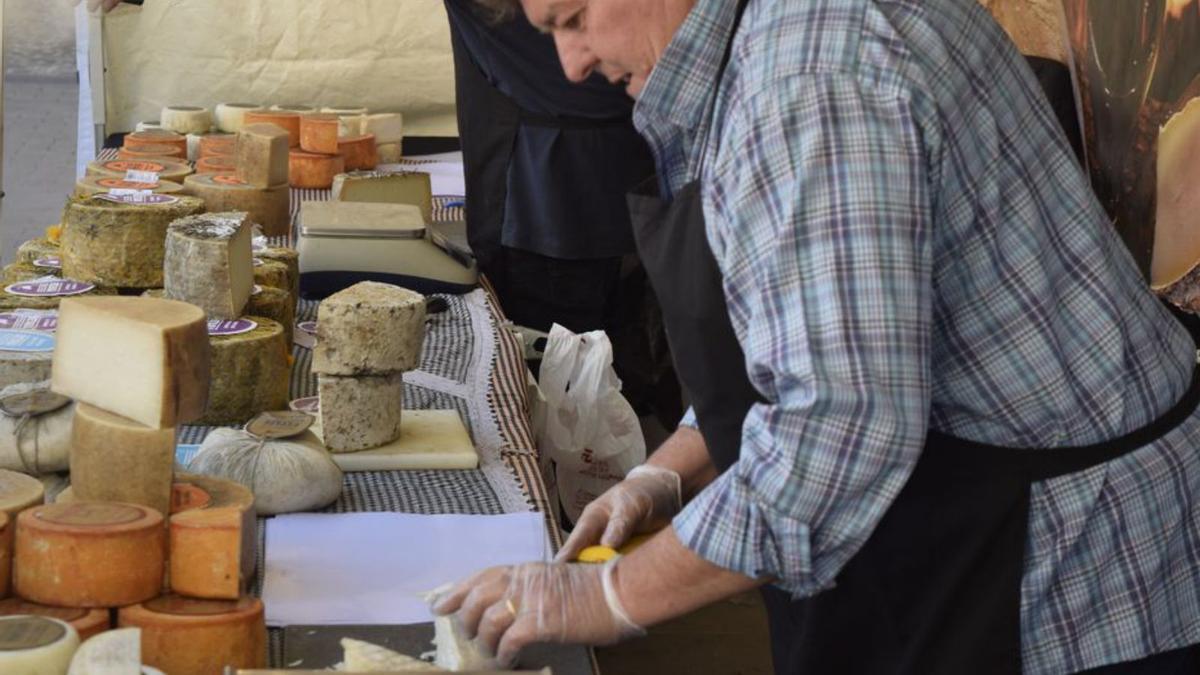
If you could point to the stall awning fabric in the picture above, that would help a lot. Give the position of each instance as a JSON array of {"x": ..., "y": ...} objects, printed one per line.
[{"x": 387, "y": 55}]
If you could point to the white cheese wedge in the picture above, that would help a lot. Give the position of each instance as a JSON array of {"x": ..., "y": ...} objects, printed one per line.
[
  {"x": 364, "y": 657},
  {"x": 114, "y": 652}
]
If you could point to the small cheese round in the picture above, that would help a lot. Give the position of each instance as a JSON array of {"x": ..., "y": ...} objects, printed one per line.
[
  {"x": 142, "y": 139},
  {"x": 271, "y": 273},
  {"x": 359, "y": 151},
  {"x": 184, "y": 119},
  {"x": 186, "y": 636},
  {"x": 87, "y": 622},
  {"x": 250, "y": 374},
  {"x": 89, "y": 554},
  {"x": 285, "y": 474},
  {"x": 309, "y": 170},
  {"x": 319, "y": 133},
  {"x": 231, "y": 116},
  {"x": 369, "y": 328},
  {"x": 289, "y": 257},
  {"x": 167, "y": 169},
  {"x": 268, "y": 208},
  {"x": 44, "y": 442},
  {"x": 361, "y": 412},
  {"x": 36, "y": 645},
  {"x": 151, "y": 152},
  {"x": 276, "y": 304}
]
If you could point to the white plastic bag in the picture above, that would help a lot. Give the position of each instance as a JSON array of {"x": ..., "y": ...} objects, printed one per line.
[{"x": 586, "y": 427}]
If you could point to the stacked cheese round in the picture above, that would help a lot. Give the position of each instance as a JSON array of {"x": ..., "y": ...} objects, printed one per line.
[
  {"x": 186, "y": 636},
  {"x": 87, "y": 622}
]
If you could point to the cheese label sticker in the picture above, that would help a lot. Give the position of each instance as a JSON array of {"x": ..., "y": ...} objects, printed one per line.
[
  {"x": 310, "y": 405},
  {"x": 136, "y": 197},
  {"x": 26, "y": 341},
  {"x": 49, "y": 288},
  {"x": 143, "y": 177},
  {"x": 279, "y": 424},
  {"x": 44, "y": 321},
  {"x": 223, "y": 327},
  {"x": 308, "y": 326},
  {"x": 127, "y": 165},
  {"x": 50, "y": 261}
]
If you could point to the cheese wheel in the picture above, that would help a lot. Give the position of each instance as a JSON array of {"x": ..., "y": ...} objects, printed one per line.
[
  {"x": 359, "y": 152},
  {"x": 231, "y": 116},
  {"x": 208, "y": 263},
  {"x": 157, "y": 349},
  {"x": 207, "y": 549},
  {"x": 216, "y": 164},
  {"x": 313, "y": 171},
  {"x": 151, "y": 152},
  {"x": 89, "y": 554},
  {"x": 275, "y": 304},
  {"x": 24, "y": 367},
  {"x": 271, "y": 273},
  {"x": 94, "y": 185},
  {"x": 289, "y": 257},
  {"x": 319, "y": 133},
  {"x": 37, "y": 249},
  {"x": 269, "y": 208},
  {"x": 216, "y": 144},
  {"x": 118, "y": 244},
  {"x": 389, "y": 153},
  {"x": 148, "y": 125},
  {"x": 386, "y": 127},
  {"x": 141, "y": 139},
  {"x": 288, "y": 121},
  {"x": 250, "y": 374},
  {"x": 186, "y": 636},
  {"x": 167, "y": 169},
  {"x": 298, "y": 108},
  {"x": 15, "y": 272},
  {"x": 369, "y": 329},
  {"x": 184, "y": 119},
  {"x": 10, "y": 301},
  {"x": 87, "y": 622},
  {"x": 36, "y": 645},
  {"x": 359, "y": 413},
  {"x": 114, "y": 459}
]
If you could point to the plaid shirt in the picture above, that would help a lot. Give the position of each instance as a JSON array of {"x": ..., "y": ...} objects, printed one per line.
[{"x": 907, "y": 242}]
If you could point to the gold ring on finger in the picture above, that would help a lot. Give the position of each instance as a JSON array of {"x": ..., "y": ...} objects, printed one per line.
[{"x": 512, "y": 609}]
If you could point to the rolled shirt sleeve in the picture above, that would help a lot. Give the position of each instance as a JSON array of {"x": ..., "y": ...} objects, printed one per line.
[{"x": 819, "y": 215}]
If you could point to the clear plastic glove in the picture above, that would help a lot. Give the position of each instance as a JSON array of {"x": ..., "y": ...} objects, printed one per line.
[
  {"x": 644, "y": 502},
  {"x": 508, "y": 608}
]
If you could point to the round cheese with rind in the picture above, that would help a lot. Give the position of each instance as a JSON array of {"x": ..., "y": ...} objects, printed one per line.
[
  {"x": 94, "y": 185},
  {"x": 359, "y": 152},
  {"x": 167, "y": 169},
  {"x": 289, "y": 257},
  {"x": 285, "y": 474},
  {"x": 310, "y": 170},
  {"x": 36, "y": 645},
  {"x": 37, "y": 249},
  {"x": 359, "y": 413},
  {"x": 288, "y": 121},
  {"x": 250, "y": 374},
  {"x": 141, "y": 139},
  {"x": 269, "y": 207},
  {"x": 186, "y": 636},
  {"x": 231, "y": 116},
  {"x": 369, "y": 328},
  {"x": 87, "y": 622},
  {"x": 184, "y": 119}
]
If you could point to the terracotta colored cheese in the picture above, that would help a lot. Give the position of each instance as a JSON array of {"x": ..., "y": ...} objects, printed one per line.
[
  {"x": 87, "y": 622},
  {"x": 217, "y": 144},
  {"x": 89, "y": 554},
  {"x": 288, "y": 121},
  {"x": 151, "y": 152},
  {"x": 94, "y": 185},
  {"x": 7, "y": 527},
  {"x": 216, "y": 164},
  {"x": 186, "y": 636},
  {"x": 250, "y": 374},
  {"x": 359, "y": 152},
  {"x": 114, "y": 459},
  {"x": 207, "y": 549},
  {"x": 319, "y": 134},
  {"x": 268, "y": 208},
  {"x": 141, "y": 139},
  {"x": 262, "y": 155},
  {"x": 313, "y": 171},
  {"x": 157, "y": 349},
  {"x": 173, "y": 170}
]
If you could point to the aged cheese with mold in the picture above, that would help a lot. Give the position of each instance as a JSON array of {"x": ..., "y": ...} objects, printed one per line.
[
  {"x": 369, "y": 328},
  {"x": 250, "y": 374},
  {"x": 226, "y": 192},
  {"x": 358, "y": 413},
  {"x": 208, "y": 263}
]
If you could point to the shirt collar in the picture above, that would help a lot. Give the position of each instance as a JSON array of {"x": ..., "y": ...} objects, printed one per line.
[{"x": 683, "y": 82}]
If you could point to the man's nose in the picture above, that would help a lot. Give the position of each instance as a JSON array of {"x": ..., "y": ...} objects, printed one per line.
[{"x": 577, "y": 61}]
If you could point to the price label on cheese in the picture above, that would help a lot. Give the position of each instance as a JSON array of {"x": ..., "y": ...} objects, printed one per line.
[
  {"x": 50, "y": 262},
  {"x": 136, "y": 197},
  {"x": 222, "y": 327},
  {"x": 309, "y": 404},
  {"x": 308, "y": 326},
  {"x": 26, "y": 341},
  {"x": 141, "y": 176},
  {"x": 279, "y": 424},
  {"x": 49, "y": 287},
  {"x": 45, "y": 321},
  {"x": 306, "y": 336},
  {"x": 37, "y": 402}
]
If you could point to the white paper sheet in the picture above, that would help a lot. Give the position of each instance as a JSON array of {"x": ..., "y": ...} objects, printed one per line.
[{"x": 368, "y": 568}]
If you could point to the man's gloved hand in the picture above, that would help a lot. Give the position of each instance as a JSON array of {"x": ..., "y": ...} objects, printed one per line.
[
  {"x": 508, "y": 608},
  {"x": 644, "y": 502}
]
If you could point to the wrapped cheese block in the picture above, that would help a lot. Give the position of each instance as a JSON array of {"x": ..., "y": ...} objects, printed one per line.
[
  {"x": 208, "y": 263},
  {"x": 369, "y": 329},
  {"x": 359, "y": 413},
  {"x": 173, "y": 170},
  {"x": 157, "y": 349},
  {"x": 40, "y": 445},
  {"x": 268, "y": 208},
  {"x": 118, "y": 244},
  {"x": 250, "y": 374},
  {"x": 285, "y": 474}
]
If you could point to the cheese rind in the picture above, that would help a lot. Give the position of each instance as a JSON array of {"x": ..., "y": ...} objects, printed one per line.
[
  {"x": 288, "y": 121},
  {"x": 319, "y": 134},
  {"x": 359, "y": 152},
  {"x": 16, "y": 272},
  {"x": 206, "y": 553},
  {"x": 186, "y": 119},
  {"x": 250, "y": 374},
  {"x": 216, "y": 164},
  {"x": 262, "y": 155},
  {"x": 94, "y": 185},
  {"x": 313, "y": 171},
  {"x": 224, "y": 191},
  {"x": 24, "y": 367},
  {"x": 184, "y": 636},
  {"x": 89, "y": 554},
  {"x": 36, "y": 645},
  {"x": 152, "y": 137},
  {"x": 278, "y": 305},
  {"x": 151, "y": 152},
  {"x": 387, "y": 128},
  {"x": 208, "y": 263},
  {"x": 369, "y": 329},
  {"x": 271, "y": 273},
  {"x": 156, "y": 349},
  {"x": 213, "y": 145},
  {"x": 358, "y": 413},
  {"x": 196, "y": 492},
  {"x": 121, "y": 245},
  {"x": 36, "y": 249},
  {"x": 289, "y": 257},
  {"x": 115, "y": 459},
  {"x": 87, "y": 622},
  {"x": 389, "y": 187}
]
